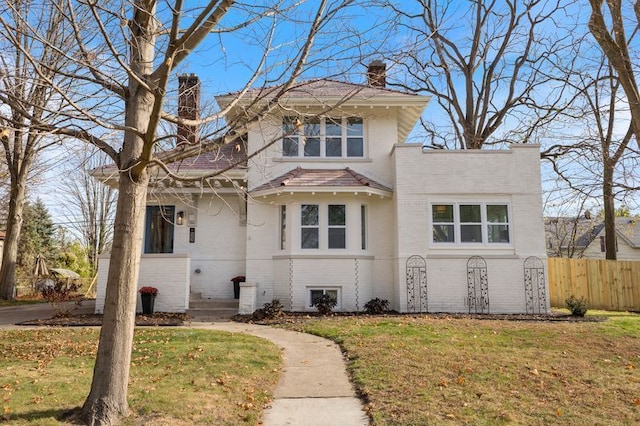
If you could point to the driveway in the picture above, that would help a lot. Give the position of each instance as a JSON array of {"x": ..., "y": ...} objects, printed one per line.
[{"x": 11, "y": 315}]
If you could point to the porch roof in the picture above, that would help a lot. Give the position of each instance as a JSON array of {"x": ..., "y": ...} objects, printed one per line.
[
  {"x": 322, "y": 180},
  {"x": 194, "y": 170}
]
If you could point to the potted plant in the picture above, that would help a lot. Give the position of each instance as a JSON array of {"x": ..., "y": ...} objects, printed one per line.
[
  {"x": 148, "y": 296},
  {"x": 236, "y": 285}
]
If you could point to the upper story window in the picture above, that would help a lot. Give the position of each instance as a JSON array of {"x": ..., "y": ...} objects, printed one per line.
[
  {"x": 327, "y": 137},
  {"x": 470, "y": 223}
]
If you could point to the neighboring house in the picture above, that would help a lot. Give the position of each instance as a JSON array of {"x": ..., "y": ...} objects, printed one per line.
[
  {"x": 342, "y": 205},
  {"x": 584, "y": 238}
]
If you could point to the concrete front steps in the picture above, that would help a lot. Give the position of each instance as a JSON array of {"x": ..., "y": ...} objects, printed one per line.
[{"x": 207, "y": 310}]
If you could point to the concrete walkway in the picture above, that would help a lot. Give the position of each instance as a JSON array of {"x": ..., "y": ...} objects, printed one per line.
[{"x": 314, "y": 389}]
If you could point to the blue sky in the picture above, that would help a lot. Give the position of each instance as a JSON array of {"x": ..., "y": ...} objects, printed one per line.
[{"x": 226, "y": 61}]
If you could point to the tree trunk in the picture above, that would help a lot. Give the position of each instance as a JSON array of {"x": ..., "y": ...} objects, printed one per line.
[
  {"x": 609, "y": 213},
  {"x": 12, "y": 237},
  {"x": 108, "y": 398}
]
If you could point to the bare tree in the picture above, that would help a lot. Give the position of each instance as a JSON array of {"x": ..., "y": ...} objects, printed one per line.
[
  {"x": 27, "y": 95},
  {"x": 490, "y": 65},
  {"x": 613, "y": 24},
  {"x": 122, "y": 62},
  {"x": 88, "y": 203},
  {"x": 598, "y": 160}
]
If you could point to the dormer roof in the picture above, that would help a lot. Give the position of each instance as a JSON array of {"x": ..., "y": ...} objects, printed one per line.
[{"x": 327, "y": 93}]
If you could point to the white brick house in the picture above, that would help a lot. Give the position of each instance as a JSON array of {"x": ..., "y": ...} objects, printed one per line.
[{"x": 341, "y": 204}]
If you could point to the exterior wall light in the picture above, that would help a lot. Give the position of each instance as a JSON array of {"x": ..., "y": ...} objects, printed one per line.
[{"x": 180, "y": 218}]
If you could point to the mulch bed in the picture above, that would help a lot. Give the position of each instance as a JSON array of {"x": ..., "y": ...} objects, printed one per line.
[
  {"x": 154, "y": 320},
  {"x": 175, "y": 319},
  {"x": 297, "y": 317}
]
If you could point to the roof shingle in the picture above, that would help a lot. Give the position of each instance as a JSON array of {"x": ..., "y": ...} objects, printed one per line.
[{"x": 317, "y": 178}]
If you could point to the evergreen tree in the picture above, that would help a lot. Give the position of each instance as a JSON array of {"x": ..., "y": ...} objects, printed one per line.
[{"x": 37, "y": 238}]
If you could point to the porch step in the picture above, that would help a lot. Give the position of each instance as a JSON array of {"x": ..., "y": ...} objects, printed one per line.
[{"x": 203, "y": 309}]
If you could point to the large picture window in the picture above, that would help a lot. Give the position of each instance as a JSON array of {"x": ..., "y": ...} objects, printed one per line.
[
  {"x": 158, "y": 236},
  {"x": 323, "y": 137},
  {"x": 470, "y": 223}
]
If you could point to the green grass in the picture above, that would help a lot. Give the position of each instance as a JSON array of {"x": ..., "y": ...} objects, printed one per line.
[
  {"x": 428, "y": 370},
  {"x": 178, "y": 376}
]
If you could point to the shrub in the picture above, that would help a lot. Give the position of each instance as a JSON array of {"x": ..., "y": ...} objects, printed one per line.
[
  {"x": 58, "y": 294},
  {"x": 376, "y": 306},
  {"x": 325, "y": 304},
  {"x": 273, "y": 310},
  {"x": 578, "y": 307}
]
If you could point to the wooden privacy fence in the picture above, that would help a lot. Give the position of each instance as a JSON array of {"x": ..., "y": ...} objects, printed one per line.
[{"x": 605, "y": 284}]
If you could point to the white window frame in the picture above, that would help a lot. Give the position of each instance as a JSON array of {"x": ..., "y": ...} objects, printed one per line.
[
  {"x": 337, "y": 226},
  {"x": 364, "y": 237},
  {"x": 282, "y": 227},
  {"x": 324, "y": 291},
  {"x": 300, "y": 135},
  {"x": 457, "y": 224},
  {"x": 317, "y": 226},
  {"x": 324, "y": 227}
]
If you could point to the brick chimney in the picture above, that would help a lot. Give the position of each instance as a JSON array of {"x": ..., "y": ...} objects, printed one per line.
[
  {"x": 377, "y": 74},
  {"x": 188, "y": 107}
]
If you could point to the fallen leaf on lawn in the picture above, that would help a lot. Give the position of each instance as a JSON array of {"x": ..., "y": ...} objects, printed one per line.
[
  {"x": 460, "y": 380},
  {"x": 535, "y": 372},
  {"x": 450, "y": 416},
  {"x": 636, "y": 401},
  {"x": 559, "y": 413},
  {"x": 443, "y": 383}
]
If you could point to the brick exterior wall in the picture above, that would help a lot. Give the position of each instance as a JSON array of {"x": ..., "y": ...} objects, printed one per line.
[
  {"x": 167, "y": 272},
  {"x": 512, "y": 177}
]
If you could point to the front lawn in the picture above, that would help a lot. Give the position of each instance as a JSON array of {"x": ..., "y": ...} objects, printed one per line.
[
  {"x": 439, "y": 370},
  {"x": 178, "y": 376}
]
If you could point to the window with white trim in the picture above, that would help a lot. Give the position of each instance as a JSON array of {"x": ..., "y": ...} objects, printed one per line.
[
  {"x": 310, "y": 226},
  {"x": 337, "y": 226},
  {"x": 283, "y": 227},
  {"x": 470, "y": 223},
  {"x": 331, "y": 218},
  {"x": 315, "y": 293},
  {"x": 327, "y": 137},
  {"x": 363, "y": 226}
]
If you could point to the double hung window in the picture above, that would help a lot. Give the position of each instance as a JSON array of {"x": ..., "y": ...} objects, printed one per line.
[
  {"x": 327, "y": 137},
  {"x": 331, "y": 218},
  {"x": 470, "y": 223},
  {"x": 310, "y": 226},
  {"x": 337, "y": 227}
]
